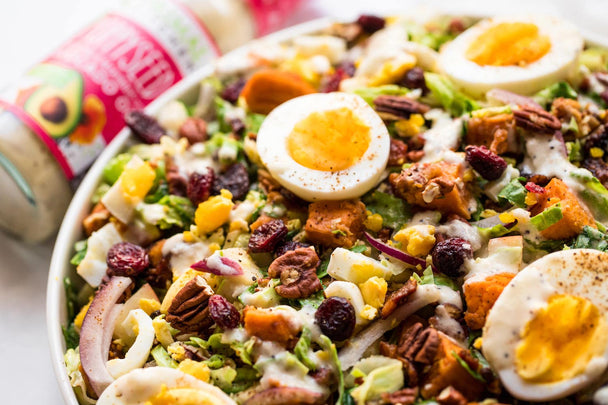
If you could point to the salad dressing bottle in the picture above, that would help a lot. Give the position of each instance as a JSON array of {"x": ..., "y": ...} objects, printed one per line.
[{"x": 59, "y": 117}]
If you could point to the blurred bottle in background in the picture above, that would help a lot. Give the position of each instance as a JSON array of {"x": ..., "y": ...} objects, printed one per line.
[{"x": 58, "y": 118}]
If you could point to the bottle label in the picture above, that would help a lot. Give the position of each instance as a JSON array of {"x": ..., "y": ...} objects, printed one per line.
[
  {"x": 76, "y": 99},
  {"x": 270, "y": 14}
]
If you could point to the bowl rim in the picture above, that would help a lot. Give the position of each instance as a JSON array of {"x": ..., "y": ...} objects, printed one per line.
[{"x": 71, "y": 227}]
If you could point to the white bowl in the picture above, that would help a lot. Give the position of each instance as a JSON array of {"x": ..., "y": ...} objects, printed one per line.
[{"x": 71, "y": 229}]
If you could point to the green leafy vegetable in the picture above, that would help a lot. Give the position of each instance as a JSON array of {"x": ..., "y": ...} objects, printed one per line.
[
  {"x": 451, "y": 99},
  {"x": 594, "y": 193},
  {"x": 114, "y": 168},
  {"x": 71, "y": 298},
  {"x": 428, "y": 277},
  {"x": 99, "y": 192},
  {"x": 358, "y": 249},
  {"x": 394, "y": 211},
  {"x": 574, "y": 149},
  {"x": 327, "y": 345},
  {"x": 81, "y": 250},
  {"x": 465, "y": 365},
  {"x": 223, "y": 377},
  {"x": 71, "y": 336},
  {"x": 591, "y": 238},
  {"x": 369, "y": 94},
  {"x": 253, "y": 122},
  {"x": 245, "y": 378},
  {"x": 548, "y": 94},
  {"x": 382, "y": 374},
  {"x": 302, "y": 349},
  {"x": 514, "y": 192},
  {"x": 226, "y": 147},
  {"x": 548, "y": 217},
  {"x": 314, "y": 300},
  {"x": 180, "y": 212},
  {"x": 495, "y": 231},
  {"x": 595, "y": 59},
  {"x": 162, "y": 358}
]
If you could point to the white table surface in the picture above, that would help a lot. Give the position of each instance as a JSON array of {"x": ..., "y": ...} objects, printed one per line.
[{"x": 31, "y": 28}]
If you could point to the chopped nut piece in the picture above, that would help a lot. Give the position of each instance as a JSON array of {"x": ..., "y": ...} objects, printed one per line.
[
  {"x": 286, "y": 396},
  {"x": 189, "y": 310},
  {"x": 297, "y": 270},
  {"x": 194, "y": 130},
  {"x": 159, "y": 273},
  {"x": 96, "y": 219},
  {"x": 450, "y": 396},
  {"x": 396, "y": 107},
  {"x": 398, "y": 297},
  {"x": 536, "y": 120},
  {"x": 335, "y": 223},
  {"x": 405, "y": 396}
]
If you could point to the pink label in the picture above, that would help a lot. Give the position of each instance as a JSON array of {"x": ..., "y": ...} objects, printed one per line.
[
  {"x": 76, "y": 99},
  {"x": 270, "y": 14}
]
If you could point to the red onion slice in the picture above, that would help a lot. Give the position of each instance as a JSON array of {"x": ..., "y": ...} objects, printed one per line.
[
  {"x": 219, "y": 265},
  {"x": 507, "y": 97},
  {"x": 396, "y": 253},
  {"x": 96, "y": 327}
]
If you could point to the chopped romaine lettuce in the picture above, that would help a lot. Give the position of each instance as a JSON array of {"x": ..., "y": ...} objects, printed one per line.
[
  {"x": 595, "y": 59},
  {"x": 428, "y": 277},
  {"x": 514, "y": 192},
  {"x": 81, "y": 250},
  {"x": 227, "y": 148},
  {"x": 381, "y": 374},
  {"x": 591, "y": 238},
  {"x": 548, "y": 217},
  {"x": 253, "y": 122},
  {"x": 473, "y": 373},
  {"x": 327, "y": 345},
  {"x": 302, "y": 349},
  {"x": 575, "y": 153},
  {"x": 162, "y": 358},
  {"x": 369, "y": 94},
  {"x": 223, "y": 377},
  {"x": 114, "y": 168},
  {"x": 71, "y": 336},
  {"x": 77, "y": 381},
  {"x": 451, "y": 99},
  {"x": 594, "y": 193},
  {"x": 394, "y": 211},
  {"x": 170, "y": 211},
  {"x": 561, "y": 89}
]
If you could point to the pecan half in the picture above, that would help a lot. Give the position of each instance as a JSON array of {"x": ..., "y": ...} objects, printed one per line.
[
  {"x": 406, "y": 396},
  {"x": 396, "y": 107},
  {"x": 298, "y": 272},
  {"x": 418, "y": 344},
  {"x": 536, "y": 120},
  {"x": 178, "y": 184},
  {"x": 188, "y": 311},
  {"x": 398, "y": 297},
  {"x": 194, "y": 130},
  {"x": 286, "y": 396},
  {"x": 599, "y": 168}
]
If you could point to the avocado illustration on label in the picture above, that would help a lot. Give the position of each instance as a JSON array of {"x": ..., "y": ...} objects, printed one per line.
[{"x": 56, "y": 105}]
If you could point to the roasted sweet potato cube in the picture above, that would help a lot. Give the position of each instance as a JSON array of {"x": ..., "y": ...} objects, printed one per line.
[
  {"x": 335, "y": 223},
  {"x": 437, "y": 185},
  {"x": 270, "y": 324},
  {"x": 492, "y": 131},
  {"x": 446, "y": 371},
  {"x": 481, "y": 296},
  {"x": 574, "y": 214}
]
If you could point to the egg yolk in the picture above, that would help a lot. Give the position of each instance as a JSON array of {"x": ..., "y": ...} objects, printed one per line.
[
  {"x": 330, "y": 140},
  {"x": 509, "y": 44},
  {"x": 561, "y": 339},
  {"x": 182, "y": 396}
]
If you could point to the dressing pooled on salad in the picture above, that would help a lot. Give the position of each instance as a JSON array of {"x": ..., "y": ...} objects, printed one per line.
[{"x": 384, "y": 212}]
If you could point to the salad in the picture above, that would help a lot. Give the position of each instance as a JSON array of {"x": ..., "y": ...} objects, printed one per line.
[{"x": 388, "y": 211}]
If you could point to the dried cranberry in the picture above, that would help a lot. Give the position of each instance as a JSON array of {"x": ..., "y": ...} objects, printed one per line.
[
  {"x": 332, "y": 83},
  {"x": 414, "y": 79},
  {"x": 126, "y": 259},
  {"x": 336, "y": 318},
  {"x": 289, "y": 246},
  {"x": 237, "y": 125},
  {"x": 235, "y": 180},
  {"x": 487, "y": 163},
  {"x": 144, "y": 126},
  {"x": 223, "y": 313},
  {"x": 267, "y": 236},
  {"x": 200, "y": 185},
  {"x": 371, "y": 23},
  {"x": 450, "y": 254},
  {"x": 232, "y": 91},
  {"x": 534, "y": 188}
]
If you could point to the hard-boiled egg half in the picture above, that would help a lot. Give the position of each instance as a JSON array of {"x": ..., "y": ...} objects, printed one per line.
[
  {"x": 159, "y": 386},
  {"x": 522, "y": 55},
  {"x": 325, "y": 146},
  {"x": 547, "y": 334}
]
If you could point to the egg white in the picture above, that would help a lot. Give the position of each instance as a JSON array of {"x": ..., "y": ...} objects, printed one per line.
[
  {"x": 557, "y": 64},
  {"x": 578, "y": 272},
  {"x": 310, "y": 184},
  {"x": 139, "y": 385}
]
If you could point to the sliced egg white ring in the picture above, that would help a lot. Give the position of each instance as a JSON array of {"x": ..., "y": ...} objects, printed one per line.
[
  {"x": 557, "y": 64},
  {"x": 141, "y": 385},
  {"x": 578, "y": 272},
  {"x": 311, "y": 184}
]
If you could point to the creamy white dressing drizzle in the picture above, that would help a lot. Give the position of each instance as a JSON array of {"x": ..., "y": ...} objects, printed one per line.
[
  {"x": 448, "y": 325},
  {"x": 443, "y": 137},
  {"x": 183, "y": 254},
  {"x": 460, "y": 229}
]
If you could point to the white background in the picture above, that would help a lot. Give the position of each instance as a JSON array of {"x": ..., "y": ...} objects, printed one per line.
[{"x": 29, "y": 29}]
